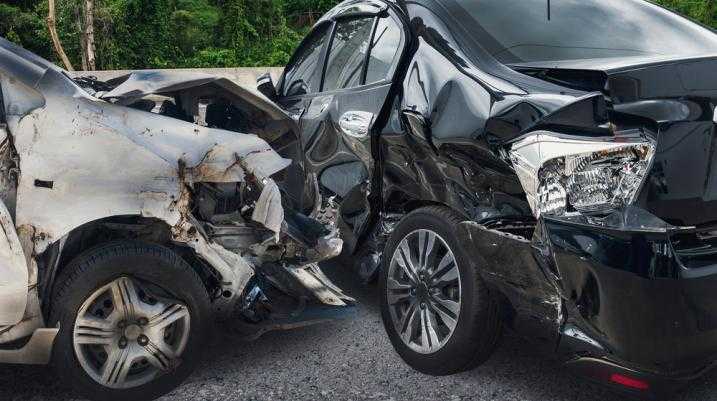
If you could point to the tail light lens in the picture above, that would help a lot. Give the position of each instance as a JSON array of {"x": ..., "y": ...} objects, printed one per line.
[
  {"x": 566, "y": 176},
  {"x": 629, "y": 382}
]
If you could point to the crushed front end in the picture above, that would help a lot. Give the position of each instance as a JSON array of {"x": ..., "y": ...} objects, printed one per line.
[{"x": 189, "y": 161}]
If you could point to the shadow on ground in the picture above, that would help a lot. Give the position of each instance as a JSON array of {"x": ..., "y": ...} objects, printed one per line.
[{"x": 349, "y": 360}]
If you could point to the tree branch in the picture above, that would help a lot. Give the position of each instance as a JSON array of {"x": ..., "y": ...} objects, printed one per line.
[{"x": 52, "y": 27}]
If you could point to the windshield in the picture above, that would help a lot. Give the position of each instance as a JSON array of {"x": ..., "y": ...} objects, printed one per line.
[{"x": 520, "y": 31}]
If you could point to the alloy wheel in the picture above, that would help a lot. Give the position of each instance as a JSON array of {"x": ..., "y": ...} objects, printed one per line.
[{"x": 424, "y": 291}]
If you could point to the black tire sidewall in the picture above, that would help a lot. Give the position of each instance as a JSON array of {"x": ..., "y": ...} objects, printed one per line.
[
  {"x": 459, "y": 353},
  {"x": 102, "y": 265}
]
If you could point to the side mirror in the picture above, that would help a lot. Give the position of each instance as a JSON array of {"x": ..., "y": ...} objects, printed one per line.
[
  {"x": 265, "y": 86},
  {"x": 418, "y": 124}
]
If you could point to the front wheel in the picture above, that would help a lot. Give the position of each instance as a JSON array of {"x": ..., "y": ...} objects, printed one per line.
[
  {"x": 132, "y": 318},
  {"x": 437, "y": 311}
]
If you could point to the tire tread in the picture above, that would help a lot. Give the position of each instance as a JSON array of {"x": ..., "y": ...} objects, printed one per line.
[
  {"x": 487, "y": 326},
  {"x": 86, "y": 266}
]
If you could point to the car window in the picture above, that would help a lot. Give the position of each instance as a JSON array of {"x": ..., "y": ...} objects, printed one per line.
[
  {"x": 385, "y": 50},
  {"x": 348, "y": 54},
  {"x": 303, "y": 74}
]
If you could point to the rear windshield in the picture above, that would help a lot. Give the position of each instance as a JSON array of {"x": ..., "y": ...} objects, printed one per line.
[{"x": 519, "y": 31}]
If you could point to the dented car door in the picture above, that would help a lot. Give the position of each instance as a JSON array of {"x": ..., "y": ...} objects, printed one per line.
[{"x": 361, "y": 52}]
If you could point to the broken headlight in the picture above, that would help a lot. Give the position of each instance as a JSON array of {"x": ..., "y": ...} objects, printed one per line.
[{"x": 564, "y": 176}]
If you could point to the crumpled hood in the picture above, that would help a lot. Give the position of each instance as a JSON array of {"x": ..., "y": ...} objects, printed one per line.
[
  {"x": 139, "y": 162},
  {"x": 143, "y": 83}
]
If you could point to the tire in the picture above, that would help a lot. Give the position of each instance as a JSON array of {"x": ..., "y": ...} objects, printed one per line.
[
  {"x": 161, "y": 281},
  {"x": 477, "y": 328}
]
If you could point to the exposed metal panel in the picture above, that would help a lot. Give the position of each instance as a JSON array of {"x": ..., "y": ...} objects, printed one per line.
[{"x": 14, "y": 274}]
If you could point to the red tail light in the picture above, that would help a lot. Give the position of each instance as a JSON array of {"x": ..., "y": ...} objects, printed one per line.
[{"x": 629, "y": 382}]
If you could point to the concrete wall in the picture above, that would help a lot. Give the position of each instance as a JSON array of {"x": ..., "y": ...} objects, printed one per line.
[{"x": 243, "y": 76}]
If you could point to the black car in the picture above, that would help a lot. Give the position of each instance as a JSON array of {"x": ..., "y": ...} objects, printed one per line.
[{"x": 541, "y": 166}]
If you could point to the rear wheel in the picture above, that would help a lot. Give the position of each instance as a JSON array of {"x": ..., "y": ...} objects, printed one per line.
[
  {"x": 436, "y": 309},
  {"x": 132, "y": 318}
]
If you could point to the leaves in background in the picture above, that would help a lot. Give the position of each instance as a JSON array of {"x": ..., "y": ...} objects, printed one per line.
[{"x": 135, "y": 34}]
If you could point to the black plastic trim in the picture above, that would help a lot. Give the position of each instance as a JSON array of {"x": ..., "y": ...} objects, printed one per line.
[{"x": 3, "y": 120}]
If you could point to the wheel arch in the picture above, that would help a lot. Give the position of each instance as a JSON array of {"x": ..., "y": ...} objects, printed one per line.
[
  {"x": 507, "y": 309},
  {"x": 93, "y": 234}
]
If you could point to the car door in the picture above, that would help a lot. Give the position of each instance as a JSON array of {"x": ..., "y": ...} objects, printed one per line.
[
  {"x": 339, "y": 120},
  {"x": 301, "y": 80}
]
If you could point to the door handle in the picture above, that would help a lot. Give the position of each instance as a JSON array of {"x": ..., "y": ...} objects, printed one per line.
[{"x": 356, "y": 124}]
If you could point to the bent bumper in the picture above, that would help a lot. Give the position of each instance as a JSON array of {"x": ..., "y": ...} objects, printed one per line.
[
  {"x": 37, "y": 351},
  {"x": 616, "y": 301}
]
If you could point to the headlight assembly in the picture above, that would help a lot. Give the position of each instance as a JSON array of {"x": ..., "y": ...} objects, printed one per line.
[{"x": 568, "y": 176}]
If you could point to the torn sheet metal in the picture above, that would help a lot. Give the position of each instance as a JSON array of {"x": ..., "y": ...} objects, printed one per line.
[
  {"x": 14, "y": 274},
  {"x": 268, "y": 210},
  {"x": 83, "y": 157},
  {"x": 516, "y": 266},
  {"x": 142, "y": 83},
  {"x": 147, "y": 161},
  {"x": 312, "y": 278}
]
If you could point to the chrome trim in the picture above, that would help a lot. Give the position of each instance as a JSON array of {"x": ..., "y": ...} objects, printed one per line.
[{"x": 356, "y": 124}]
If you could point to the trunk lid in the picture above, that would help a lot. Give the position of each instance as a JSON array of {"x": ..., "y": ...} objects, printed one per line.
[{"x": 631, "y": 79}]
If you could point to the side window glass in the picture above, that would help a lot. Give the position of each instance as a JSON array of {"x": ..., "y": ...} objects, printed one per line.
[
  {"x": 385, "y": 51},
  {"x": 348, "y": 54},
  {"x": 303, "y": 75}
]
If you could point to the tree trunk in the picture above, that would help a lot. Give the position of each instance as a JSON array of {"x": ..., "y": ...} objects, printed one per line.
[
  {"x": 52, "y": 27},
  {"x": 90, "y": 34},
  {"x": 83, "y": 37},
  {"x": 711, "y": 10}
]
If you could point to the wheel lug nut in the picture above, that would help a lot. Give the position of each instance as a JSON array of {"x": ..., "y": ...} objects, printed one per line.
[
  {"x": 143, "y": 321},
  {"x": 423, "y": 305},
  {"x": 122, "y": 324},
  {"x": 122, "y": 343},
  {"x": 143, "y": 340}
]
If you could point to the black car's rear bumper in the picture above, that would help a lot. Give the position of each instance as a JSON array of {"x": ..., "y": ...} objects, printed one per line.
[
  {"x": 626, "y": 306},
  {"x": 631, "y": 380}
]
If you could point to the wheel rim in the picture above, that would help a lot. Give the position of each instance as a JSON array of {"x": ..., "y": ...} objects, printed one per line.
[
  {"x": 125, "y": 336},
  {"x": 424, "y": 291}
]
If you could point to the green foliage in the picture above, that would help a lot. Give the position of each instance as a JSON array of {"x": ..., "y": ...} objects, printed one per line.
[
  {"x": 132, "y": 34},
  {"x": 25, "y": 26},
  {"x": 704, "y": 11},
  {"x": 257, "y": 31}
]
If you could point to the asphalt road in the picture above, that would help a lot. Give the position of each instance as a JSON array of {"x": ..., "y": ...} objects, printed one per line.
[{"x": 349, "y": 360}]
